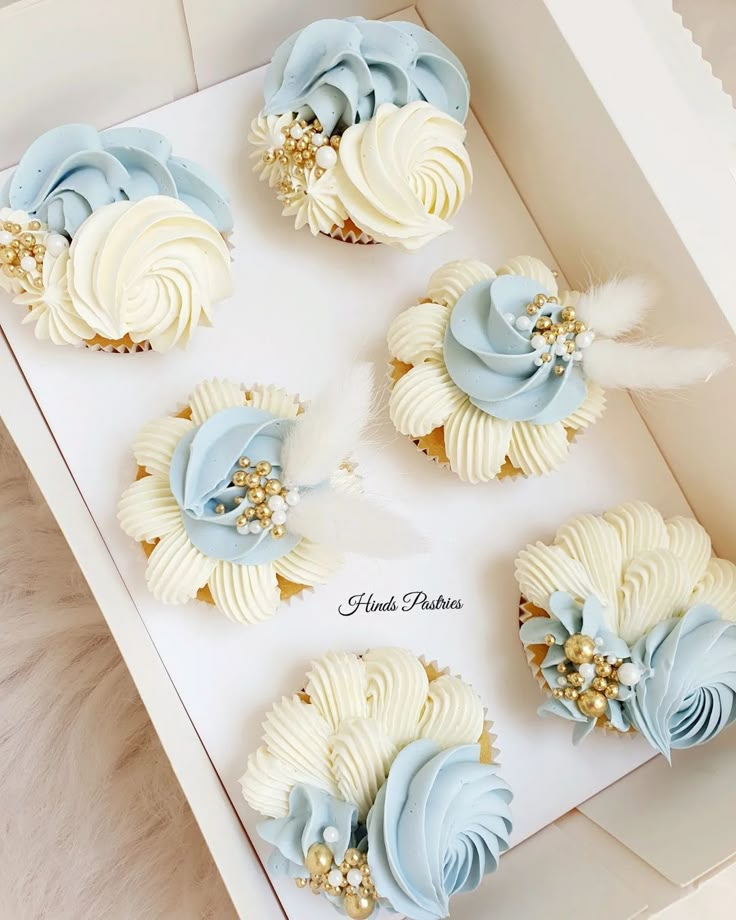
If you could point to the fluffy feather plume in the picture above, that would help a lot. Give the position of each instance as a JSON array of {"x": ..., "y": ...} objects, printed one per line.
[
  {"x": 329, "y": 429},
  {"x": 616, "y": 306},
  {"x": 352, "y": 524},
  {"x": 628, "y": 365}
]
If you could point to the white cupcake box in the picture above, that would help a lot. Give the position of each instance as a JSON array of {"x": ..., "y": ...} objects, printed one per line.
[{"x": 588, "y": 153}]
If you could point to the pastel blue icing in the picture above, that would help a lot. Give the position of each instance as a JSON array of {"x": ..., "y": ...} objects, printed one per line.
[
  {"x": 201, "y": 471},
  {"x": 311, "y": 810},
  {"x": 341, "y": 70},
  {"x": 567, "y": 618},
  {"x": 688, "y": 692},
  {"x": 70, "y": 171},
  {"x": 493, "y": 362},
  {"x": 438, "y": 825}
]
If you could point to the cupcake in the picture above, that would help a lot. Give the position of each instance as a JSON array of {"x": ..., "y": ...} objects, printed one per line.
[
  {"x": 245, "y": 498},
  {"x": 361, "y": 133},
  {"x": 379, "y": 786},
  {"x": 495, "y": 372},
  {"x": 111, "y": 242},
  {"x": 629, "y": 624}
]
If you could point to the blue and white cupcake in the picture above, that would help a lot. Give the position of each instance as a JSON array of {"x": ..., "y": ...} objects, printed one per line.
[
  {"x": 112, "y": 242},
  {"x": 629, "y": 624},
  {"x": 495, "y": 372},
  {"x": 380, "y": 787},
  {"x": 361, "y": 133}
]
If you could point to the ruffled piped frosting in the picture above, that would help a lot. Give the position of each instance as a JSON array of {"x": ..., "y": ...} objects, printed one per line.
[
  {"x": 341, "y": 71},
  {"x": 378, "y": 785},
  {"x": 70, "y": 172}
]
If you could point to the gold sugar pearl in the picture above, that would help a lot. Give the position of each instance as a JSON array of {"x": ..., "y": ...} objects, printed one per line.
[
  {"x": 7, "y": 256},
  {"x": 263, "y": 513},
  {"x": 568, "y": 313},
  {"x": 592, "y": 704},
  {"x": 252, "y": 480},
  {"x": 278, "y": 531},
  {"x": 17, "y": 229},
  {"x": 34, "y": 225},
  {"x": 532, "y": 308},
  {"x": 358, "y": 906},
  {"x": 579, "y": 648},
  {"x": 562, "y": 667},
  {"x": 269, "y": 157},
  {"x": 599, "y": 683},
  {"x": 335, "y": 141},
  {"x": 603, "y": 670},
  {"x": 540, "y": 300},
  {"x": 545, "y": 358},
  {"x": 301, "y": 882},
  {"x": 242, "y": 521},
  {"x": 558, "y": 693},
  {"x": 219, "y": 509},
  {"x": 244, "y": 463},
  {"x": 273, "y": 487},
  {"x": 263, "y": 468},
  {"x": 238, "y": 499},
  {"x": 611, "y": 691},
  {"x": 239, "y": 478},
  {"x": 28, "y": 240},
  {"x": 256, "y": 496},
  {"x": 559, "y": 370},
  {"x": 553, "y": 299},
  {"x": 9, "y": 226},
  {"x": 571, "y": 693},
  {"x": 544, "y": 323},
  {"x": 250, "y": 512},
  {"x": 575, "y": 679},
  {"x": 580, "y": 327},
  {"x": 319, "y": 859},
  {"x": 549, "y": 639}
]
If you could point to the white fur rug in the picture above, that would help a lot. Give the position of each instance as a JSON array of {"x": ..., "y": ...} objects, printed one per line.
[{"x": 93, "y": 824}]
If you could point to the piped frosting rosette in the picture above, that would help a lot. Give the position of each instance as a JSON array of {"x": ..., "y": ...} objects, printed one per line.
[
  {"x": 379, "y": 786},
  {"x": 245, "y": 498},
  {"x": 363, "y": 139},
  {"x": 629, "y": 623},
  {"x": 494, "y": 372},
  {"x": 111, "y": 242}
]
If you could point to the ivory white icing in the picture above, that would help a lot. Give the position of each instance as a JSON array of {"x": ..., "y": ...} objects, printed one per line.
[
  {"x": 149, "y": 512},
  {"x": 315, "y": 203},
  {"x": 150, "y": 269},
  {"x": 361, "y": 713},
  {"x": 426, "y": 397},
  {"x": 266, "y": 136},
  {"x": 643, "y": 568},
  {"x": 403, "y": 174}
]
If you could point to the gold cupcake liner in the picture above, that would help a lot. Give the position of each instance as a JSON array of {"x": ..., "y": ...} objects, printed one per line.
[
  {"x": 535, "y": 655},
  {"x": 351, "y": 233}
]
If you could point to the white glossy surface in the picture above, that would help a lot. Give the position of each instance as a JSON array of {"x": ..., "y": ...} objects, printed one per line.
[{"x": 322, "y": 304}]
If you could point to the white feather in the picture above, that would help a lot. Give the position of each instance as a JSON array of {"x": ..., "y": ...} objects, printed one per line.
[
  {"x": 328, "y": 429},
  {"x": 628, "y": 365},
  {"x": 616, "y": 306},
  {"x": 351, "y": 523}
]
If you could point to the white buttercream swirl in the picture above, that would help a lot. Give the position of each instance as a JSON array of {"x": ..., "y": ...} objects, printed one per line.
[
  {"x": 361, "y": 713},
  {"x": 50, "y": 306},
  {"x": 452, "y": 279},
  {"x": 643, "y": 568},
  {"x": 531, "y": 267},
  {"x": 418, "y": 333},
  {"x": 402, "y": 175},
  {"x": 150, "y": 269}
]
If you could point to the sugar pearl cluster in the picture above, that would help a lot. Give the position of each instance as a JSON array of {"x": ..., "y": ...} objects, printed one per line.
[
  {"x": 265, "y": 501},
  {"x": 589, "y": 677},
  {"x": 564, "y": 339},
  {"x": 22, "y": 250},
  {"x": 305, "y": 147},
  {"x": 349, "y": 880}
]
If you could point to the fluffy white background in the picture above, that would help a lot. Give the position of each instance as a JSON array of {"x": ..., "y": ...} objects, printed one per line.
[{"x": 93, "y": 823}]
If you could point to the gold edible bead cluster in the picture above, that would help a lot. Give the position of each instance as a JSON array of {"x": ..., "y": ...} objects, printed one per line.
[
  {"x": 265, "y": 501},
  {"x": 300, "y": 151},
  {"x": 21, "y": 253},
  {"x": 350, "y": 879},
  {"x": 564, "y": 338},
  {"x": 585, "y": 665}
]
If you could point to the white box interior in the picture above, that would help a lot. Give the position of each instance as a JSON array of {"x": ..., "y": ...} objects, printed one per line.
[{"x": 303, "y": 310}]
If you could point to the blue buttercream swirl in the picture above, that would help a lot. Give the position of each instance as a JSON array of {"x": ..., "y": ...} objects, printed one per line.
[
  {"x": 311, "y": 810},
  {"x": 688, "y": 692},
  {"x": 492, "y": 361},
  {"x": 567, "y": 618},
  {"x": 71, "y": 171},
  {"x": 342, "y": 70},
  {"x": 201, "y": 475},
  {"x": 438, "y": 825}
]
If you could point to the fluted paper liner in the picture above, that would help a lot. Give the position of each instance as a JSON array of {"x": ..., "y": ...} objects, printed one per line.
[
  {"x": 351, "y": 233},
  {"x": 535, "y": 655}
]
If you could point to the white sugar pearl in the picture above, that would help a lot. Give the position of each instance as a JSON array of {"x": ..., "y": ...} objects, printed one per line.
[
  {"x": 567, "y": 357},
  {"x": 276, "y": 503},
  {"x": 612, "y": 659},
  {"x": 355, "y": 877},
  {"x": 293, "y": 497},
  {"x": 561, "y": 338},
  {"x": 254, "y": 527},
  {"x": 509, "y": 317},
  {"x": 538, "y": 341},
  {"x": 297, "y": 132},
  {"x": 599, "y": 641},
  {"x": 562, "y": 681},
  {"x": 584, "y": 339},
  {"x": 577, "y": 356},
  {"x": 335, "y": 877},
  {"x": 538, "y": 362},
  {"x": 56, "y": 244},
  {"x": 331, "y": 835},
  {"x": 6, "y": 238},
  {"x": 279, "y": 517},
  {"x": 28, "y": 263},
  {"x": 318, "y": 140},
  {"x": 326, "y": 157},
  {"x": 629, "y": 674},
  {"x": 524, "y": 323},
  {"x": 587, "y": 671},
  {"x": 560, "y": 350}
]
